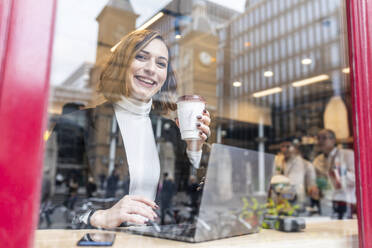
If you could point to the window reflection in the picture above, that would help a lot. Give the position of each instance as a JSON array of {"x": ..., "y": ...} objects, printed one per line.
[{"x": 291, "y": 53}]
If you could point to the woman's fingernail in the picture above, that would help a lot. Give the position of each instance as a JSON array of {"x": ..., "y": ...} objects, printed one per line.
[
  {"x": 200, "y": 133},
  {"x": 199, "y": 117},
  {"x": 204, "y": 111},
  {"x": 198, "y": 124}
]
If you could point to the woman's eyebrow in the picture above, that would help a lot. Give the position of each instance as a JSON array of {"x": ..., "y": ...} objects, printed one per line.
[{"x": 147, "y": 53}]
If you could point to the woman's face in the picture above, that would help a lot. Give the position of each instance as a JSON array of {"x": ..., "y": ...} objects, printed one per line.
[{"x": 148, "y": 71}]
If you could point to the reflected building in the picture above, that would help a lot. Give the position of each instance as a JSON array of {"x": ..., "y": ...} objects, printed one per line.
[
  {"x": 115, "y": 20},
  {"x": 279, "y": 64},
  {"x": 188, "y": 28},
  {"x": 294, "y": 49},
  {"x": 75, "y": 88},
  {"x": 62, "y": 150}
]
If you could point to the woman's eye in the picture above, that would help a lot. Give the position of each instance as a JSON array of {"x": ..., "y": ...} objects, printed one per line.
[
  {"x": 140, "y": 57},
  {"x": 162, "y": 64}
]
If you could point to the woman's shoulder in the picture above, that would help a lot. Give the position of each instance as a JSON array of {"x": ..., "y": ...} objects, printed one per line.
[
  {"x": 105, "y": 108},
  {"x": 98, "y": 105}
]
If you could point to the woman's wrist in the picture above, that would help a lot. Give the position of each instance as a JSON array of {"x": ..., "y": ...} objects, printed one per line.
[{"x": 97, "y": 219}]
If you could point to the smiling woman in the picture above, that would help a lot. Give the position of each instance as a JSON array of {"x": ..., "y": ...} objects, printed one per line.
[{"x": 138, "y": 70}]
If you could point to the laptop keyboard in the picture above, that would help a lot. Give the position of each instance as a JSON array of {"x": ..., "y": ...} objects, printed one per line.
[{"x": 167, "y": 231}]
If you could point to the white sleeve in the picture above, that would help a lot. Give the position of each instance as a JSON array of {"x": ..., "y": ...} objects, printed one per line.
[
  {"x": 194, "y": 157},
  {"x": 350, "y": 165}
]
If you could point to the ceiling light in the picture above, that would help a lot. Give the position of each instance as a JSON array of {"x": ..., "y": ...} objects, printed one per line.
[
  {"x": 46, "y": 135},
  {"x": 267, "y": 92},
  {"x": 311, "y": 80},
  {"x": 237, "y": 84},
  {"x": 178, "y": 36},
  {"x": 346, "y": 70},
  {"x": 268, "y": 74},
  {"x": 247, "y": 44},
  {"x": 151, "y": 21},
  {"x": 143, "y": 26},
  {"x": 114, "y": 47},
  {"x": 306, "y": 61}
]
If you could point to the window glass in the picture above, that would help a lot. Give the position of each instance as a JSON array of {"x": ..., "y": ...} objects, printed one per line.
[
  {"x": 304, "y": 39},
  {"x": 311, "y": 36},
  {"x": 283, "y": 26},
  {"x": 310, "y": 11},
  {"x": 276, "y": 73},
  {"x": 263, "y": 34},
  {"x": 334, "y": 28},
  {"x": 289, "y": 21},
  {"x": 263, "y": 55},
  {"x": 241, "y": 64},
  {"x": 290, "y": 68},
  {"x": 251, "y": 61},
  {"x": 263, "y": 12},
  {"x": 251, "y": 18},
  {"x": 276, "y": 49},
  {"x": 283, "y": 71},
  {"x": 317, "y": 9},
  {"x": 303, "y": 14},
  {"x": 283, "y": 48},
  {"x": 334, "y": 5},
  {"x": 318, "y": 33},
  {"x": 290, "y": 45},
  {"x": 256, "y": 16},
  {"x": 270, "y": 52},
  {"x": 278, "y": 148},
  {"x": 324, "y": 7},
  {"x": 334, "y": 54},
  {"x": 275, "y": 27},
  {"x": 257, "y": 58},
  {"x": 326, "y": 29},
  {"x": 269, "y": 31},
  {"x": 275, "y": 6},
  {"x": 269, "y": 7},
  {"x": 258, "y": 80},
  {"x": 296, "y": 18}
]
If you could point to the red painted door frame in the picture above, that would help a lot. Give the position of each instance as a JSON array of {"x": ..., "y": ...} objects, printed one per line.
[
  {"x": 26, "y": 35},
  {"x": 360, "y": 54}
]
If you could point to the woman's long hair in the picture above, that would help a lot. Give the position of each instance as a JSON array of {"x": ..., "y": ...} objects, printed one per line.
[{"x": 114, "y": 76}]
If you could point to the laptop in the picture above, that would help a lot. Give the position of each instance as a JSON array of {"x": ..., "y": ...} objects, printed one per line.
[{"x": 232, "y": 200}]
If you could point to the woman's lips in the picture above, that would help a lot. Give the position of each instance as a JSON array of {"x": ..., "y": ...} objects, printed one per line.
[{"x": 147, "y": 82}]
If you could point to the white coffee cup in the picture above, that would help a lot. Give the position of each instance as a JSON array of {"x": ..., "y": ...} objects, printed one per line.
[{"x": 188, "y": 108}]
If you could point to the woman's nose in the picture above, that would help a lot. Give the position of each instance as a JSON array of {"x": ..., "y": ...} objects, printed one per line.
[{"x": 150, "y": 67}]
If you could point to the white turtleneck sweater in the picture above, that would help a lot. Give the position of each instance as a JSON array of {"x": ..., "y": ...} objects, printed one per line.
[{"x": 139, "y": 142}]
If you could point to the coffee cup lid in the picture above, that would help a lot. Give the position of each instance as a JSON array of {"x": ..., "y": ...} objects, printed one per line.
[{"x": 195, "y": 98}]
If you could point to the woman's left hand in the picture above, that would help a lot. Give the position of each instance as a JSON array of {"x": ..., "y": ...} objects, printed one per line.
[{"x": 203, "y": 123}]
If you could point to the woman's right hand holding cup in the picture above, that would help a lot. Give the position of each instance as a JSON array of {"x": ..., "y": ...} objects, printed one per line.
[{"x": 133, "y": 209}]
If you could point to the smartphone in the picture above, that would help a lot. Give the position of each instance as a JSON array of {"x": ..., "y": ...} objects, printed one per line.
[{"x": 97, "y": 239}]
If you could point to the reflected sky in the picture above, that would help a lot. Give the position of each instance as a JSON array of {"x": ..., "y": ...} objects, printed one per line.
[{"x": 76, "y": 31}]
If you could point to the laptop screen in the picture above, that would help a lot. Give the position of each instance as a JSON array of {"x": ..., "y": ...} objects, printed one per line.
[{"x": 235, "y": 192}]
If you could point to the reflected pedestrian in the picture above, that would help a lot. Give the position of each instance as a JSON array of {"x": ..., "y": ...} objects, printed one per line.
[
  {"x": 335, "y": 171},
  {"x": 91, "y": 187},
  {"x": 166, "y": 195},
  {"x": 112, "y": 184}
]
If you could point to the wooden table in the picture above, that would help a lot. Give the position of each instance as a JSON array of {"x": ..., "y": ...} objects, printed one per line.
[{"x": 318, "y": 234}]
